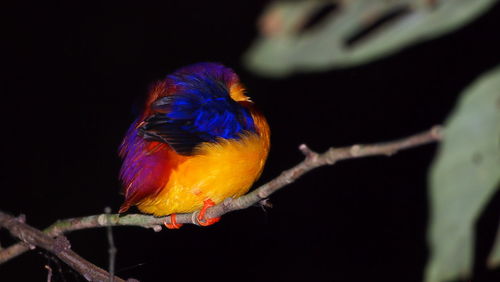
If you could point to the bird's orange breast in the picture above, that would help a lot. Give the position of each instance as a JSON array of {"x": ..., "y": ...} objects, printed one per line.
[{"x": 219, "y": 170}]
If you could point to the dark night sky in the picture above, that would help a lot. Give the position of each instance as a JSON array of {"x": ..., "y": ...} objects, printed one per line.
[{"x": 75, "y": 75}]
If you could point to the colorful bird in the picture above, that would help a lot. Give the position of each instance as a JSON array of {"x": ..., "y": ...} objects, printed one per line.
[{"x": 199, "y": 140}]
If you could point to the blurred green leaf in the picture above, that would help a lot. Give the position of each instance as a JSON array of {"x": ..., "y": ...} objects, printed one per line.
[
  {"x": 350, "y": 32},
  {"x": 463, "y": 178}
]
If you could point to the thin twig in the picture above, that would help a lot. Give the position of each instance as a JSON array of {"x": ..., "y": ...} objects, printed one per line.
[
  {"x": 312, "y": 160},
  {"x": 112, "y": 249},
  {"x": 59, "y": 246},
  {"x": 49, "y": 273}
]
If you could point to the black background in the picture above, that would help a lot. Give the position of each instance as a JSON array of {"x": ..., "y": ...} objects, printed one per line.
[{"x": 75, "y": 75}]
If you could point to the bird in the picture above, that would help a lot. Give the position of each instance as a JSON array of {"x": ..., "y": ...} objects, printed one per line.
[{"x": 199, "y": 140}]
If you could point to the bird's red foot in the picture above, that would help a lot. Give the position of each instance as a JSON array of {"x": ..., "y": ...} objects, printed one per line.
[
  {"x": 201, "y": 216},
  {"x": 173, "y": 223}
]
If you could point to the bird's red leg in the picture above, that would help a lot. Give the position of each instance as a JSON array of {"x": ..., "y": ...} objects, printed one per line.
[
  {"x": 173, "y": 223},
  {"x": 201, "y": 216}
]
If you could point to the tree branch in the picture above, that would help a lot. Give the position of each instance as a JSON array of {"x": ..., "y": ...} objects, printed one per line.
[
  {"x": 312, "y": 160},
  {"x": 59, "y": 246}
]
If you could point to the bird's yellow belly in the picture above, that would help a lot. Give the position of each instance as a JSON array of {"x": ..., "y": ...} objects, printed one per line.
[{"x": 217, "y": 171}]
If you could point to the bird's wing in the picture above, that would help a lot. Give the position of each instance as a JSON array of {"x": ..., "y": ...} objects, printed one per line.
[{"x": 185, "y": 121}]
